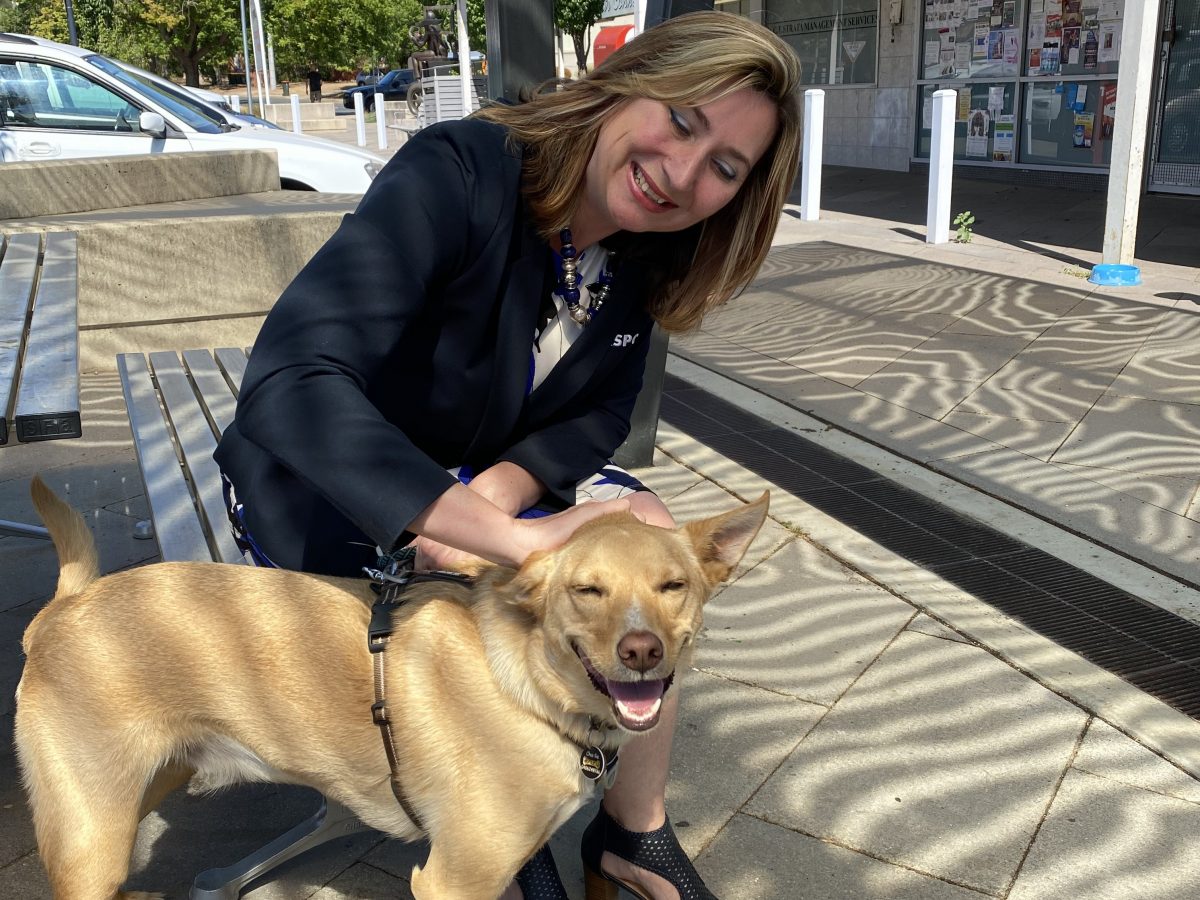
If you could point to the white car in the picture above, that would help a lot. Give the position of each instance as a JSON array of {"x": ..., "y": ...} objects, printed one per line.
[{"x": 62, "y": 102}]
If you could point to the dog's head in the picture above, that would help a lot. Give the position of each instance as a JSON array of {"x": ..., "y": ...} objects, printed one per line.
[{"x": 621, "y": 602}]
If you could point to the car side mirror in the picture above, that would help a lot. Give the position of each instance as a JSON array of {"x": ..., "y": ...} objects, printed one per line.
[{"x": 153, "y": 124}]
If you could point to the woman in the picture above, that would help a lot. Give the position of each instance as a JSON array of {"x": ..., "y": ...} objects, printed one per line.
[{"x": 469, "y": 343}]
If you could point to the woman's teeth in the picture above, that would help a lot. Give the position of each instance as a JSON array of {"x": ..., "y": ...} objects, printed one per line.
[{"x": 646, "y": 189}]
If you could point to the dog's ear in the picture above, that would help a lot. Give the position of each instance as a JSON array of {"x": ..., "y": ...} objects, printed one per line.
[
  {"x": 722, "y": 541},
  {"x": 528, "y": 586}
]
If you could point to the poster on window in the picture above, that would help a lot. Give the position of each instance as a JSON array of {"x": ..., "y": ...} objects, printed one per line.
[
  {"x": 978, "y": 122},
  {"x": 1084, "y": 122}
]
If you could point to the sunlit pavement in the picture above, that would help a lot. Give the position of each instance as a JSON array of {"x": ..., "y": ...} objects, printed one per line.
[{"x": 854, "y": 728}]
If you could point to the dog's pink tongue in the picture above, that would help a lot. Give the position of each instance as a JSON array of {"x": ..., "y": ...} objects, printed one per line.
[{"x": 638, "y": 702}]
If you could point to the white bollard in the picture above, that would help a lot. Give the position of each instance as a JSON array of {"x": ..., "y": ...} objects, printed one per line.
[
  {"x": 236, "y": 102},
  {"x": 941, "y": 167},
  {"x": 380, "y": 121},
  {"x": 296, "y": 114},
  {"x": 814, "y": 140},
  {"x": 360, "y": 119}
]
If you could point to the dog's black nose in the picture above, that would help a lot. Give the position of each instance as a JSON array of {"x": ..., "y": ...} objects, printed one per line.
[{"x": 640, "y": 651}]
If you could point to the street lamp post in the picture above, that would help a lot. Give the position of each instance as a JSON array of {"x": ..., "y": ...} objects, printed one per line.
[
  {"x": 74, "y": 35},
  {"x": 245, "y": 56}
]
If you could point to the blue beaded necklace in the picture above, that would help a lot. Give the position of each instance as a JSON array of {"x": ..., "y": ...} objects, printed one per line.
[{"x": 568, "y": 282}]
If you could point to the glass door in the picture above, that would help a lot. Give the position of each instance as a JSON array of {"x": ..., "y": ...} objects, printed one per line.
[{"x": 1176, "y": 165}]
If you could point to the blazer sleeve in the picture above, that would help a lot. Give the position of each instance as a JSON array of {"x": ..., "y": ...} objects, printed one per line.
[
  {"x": 337, "y": 326},
  {"x": 582, "y": 437}
]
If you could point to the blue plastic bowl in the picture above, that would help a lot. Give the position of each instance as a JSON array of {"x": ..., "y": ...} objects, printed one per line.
[{"x": 1111, "y": 275}]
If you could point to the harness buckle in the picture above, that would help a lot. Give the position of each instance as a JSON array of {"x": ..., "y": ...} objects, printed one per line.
[{"x": 379, "y": 713}]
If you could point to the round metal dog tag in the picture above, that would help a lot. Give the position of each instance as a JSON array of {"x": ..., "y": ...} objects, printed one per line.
[{"x": 592, "y": 763}]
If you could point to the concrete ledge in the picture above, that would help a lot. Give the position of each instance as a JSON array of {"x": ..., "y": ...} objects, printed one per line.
[
  {"x": 58, "y": 186},
  {"x": 182, "y": 275}
]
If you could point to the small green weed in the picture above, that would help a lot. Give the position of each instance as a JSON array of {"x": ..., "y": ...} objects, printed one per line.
[{"x": 963, "y": 222}]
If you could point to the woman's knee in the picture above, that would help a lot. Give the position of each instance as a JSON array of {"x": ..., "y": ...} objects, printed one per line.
[{"x": 650, "y": 509}]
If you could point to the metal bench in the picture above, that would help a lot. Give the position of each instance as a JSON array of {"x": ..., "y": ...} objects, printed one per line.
[
  {"x": 39, "y": 344},
  {"x": 177, "y": 411}
]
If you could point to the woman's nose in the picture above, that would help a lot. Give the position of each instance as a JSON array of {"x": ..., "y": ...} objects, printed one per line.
[{"x": 685, "y": 167}]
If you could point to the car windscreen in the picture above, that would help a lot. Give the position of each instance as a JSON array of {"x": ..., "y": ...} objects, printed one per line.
[{"x": 193, "y": 112}]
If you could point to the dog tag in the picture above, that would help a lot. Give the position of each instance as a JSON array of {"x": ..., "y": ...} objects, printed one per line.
[{"x": 592, "y": 763}]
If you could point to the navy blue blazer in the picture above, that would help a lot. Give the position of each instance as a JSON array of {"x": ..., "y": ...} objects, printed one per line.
[{"x": 404, "y": 348}]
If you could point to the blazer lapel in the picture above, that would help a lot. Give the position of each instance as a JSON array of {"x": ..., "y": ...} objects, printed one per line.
[
  {"x": 528, "y": 281},
  {"x": 579, "y": 363}
]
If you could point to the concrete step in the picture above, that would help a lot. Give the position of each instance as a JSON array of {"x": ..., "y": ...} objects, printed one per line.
[
  {"x": 196, "y": 273},
  {"x": 58, "y": 186}
]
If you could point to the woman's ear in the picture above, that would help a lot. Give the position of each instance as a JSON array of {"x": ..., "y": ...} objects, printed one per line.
[{"x": 721, "y": 541}]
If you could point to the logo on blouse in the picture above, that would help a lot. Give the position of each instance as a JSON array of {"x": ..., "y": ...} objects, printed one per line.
[{"x": 624, "y": 340}]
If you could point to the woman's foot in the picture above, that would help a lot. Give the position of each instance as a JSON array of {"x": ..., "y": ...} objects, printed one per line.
[{"x": 649, "y": 864}]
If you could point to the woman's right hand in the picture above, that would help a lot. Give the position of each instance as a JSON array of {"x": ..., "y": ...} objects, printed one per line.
[{"x": 550, "y": 532}]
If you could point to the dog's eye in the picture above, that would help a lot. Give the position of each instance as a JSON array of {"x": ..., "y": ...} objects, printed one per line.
[
  {"x": 676, "y": 584},
  {"x": 587, "y": 589}
]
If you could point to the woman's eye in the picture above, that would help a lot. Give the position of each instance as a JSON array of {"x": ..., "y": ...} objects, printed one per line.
[
  {"x": 679, "y": 122},
  {"x": 725, "y": 170}
]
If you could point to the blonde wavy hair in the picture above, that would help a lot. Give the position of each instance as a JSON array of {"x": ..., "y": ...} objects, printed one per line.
[{"x": 687, "y": 61}]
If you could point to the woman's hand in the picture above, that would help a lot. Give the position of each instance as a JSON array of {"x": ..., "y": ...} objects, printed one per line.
[
  {"x": 432, "y": 556},
  {"x": 549, "y": 532}
]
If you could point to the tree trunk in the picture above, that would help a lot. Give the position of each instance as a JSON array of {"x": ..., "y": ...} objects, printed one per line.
[{"x": 579, "y": 39}]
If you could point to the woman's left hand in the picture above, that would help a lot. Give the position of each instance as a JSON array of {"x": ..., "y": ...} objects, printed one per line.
[{"x": 432, "y": 556}]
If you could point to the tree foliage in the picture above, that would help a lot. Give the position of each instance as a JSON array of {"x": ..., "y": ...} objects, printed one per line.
[{"x": 575, "y": 18}]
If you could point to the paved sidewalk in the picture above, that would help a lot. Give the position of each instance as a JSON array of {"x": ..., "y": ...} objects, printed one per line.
[{"x": 836, "y": 740}]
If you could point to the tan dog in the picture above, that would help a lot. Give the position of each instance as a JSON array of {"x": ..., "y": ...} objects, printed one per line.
[{"x": 140, "y": 680}]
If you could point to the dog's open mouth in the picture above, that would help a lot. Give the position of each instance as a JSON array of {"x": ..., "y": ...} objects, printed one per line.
[{"x": 637, "y": 704}]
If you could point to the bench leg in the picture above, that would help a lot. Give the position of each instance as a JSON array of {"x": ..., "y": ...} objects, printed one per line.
[
  {"x": 331, "y": 821},
  {"x": 17, "y": 529}
]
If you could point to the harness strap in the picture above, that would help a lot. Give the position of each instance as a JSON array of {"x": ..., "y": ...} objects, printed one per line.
[{"x": 379, "y": 635}]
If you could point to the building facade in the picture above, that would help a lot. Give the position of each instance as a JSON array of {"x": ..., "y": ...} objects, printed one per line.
[{"x": 1036, "y": 82}]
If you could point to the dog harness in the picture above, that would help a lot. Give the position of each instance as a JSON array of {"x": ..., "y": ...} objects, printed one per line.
[{"x": 595, "y": 762}]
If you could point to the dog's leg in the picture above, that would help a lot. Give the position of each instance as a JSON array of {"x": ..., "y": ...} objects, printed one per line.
[
  {"x": 472, "y": 864},
  {"x": 169, "y": 778},
  {"x": 86, "y": 804}
]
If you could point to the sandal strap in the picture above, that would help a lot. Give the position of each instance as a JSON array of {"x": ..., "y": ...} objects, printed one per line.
[
  {"x": 538, "y": 878},
  {"x": 656, "y": 851}
]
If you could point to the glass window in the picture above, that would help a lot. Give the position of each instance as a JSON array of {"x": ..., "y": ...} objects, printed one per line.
[
  {"x": 44, "y": 95},
  {"x": 189, "y": 110},
  {"x": 983, "y": 125},
  {"x": 836, "y": 41},
  {"x": 1073, "y": 37},
  {"x": 970, "y": 40},
  {"x": 1069, "y": 123}
]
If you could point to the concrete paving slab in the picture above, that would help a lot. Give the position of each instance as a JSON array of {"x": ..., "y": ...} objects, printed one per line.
[
  {"x": 1166, "y": 492},
  {"x": 757, "y": 860},
  {"x": 804, "y": 626},
  {"x": 1163, "y": 368},
  {"x": 928, "y": 395},
  {"x": 666, "y": 477},
  {"x": 1028, "y": 436},
  {"x": 962, "y": 357},
  {"x": 363, "y": 882},
  {"x": 961, "y": 762},
  {"x": 1028, "y": 389},
  {"x": 1107, "y": 841},
  {"x": 1026, "y": 310},
  {"x": 1110, "y": 754},
  {"x": 931, "y": 627},
  {"x": 869, "y": 345},
  {"x": 1144, "y": 436}
]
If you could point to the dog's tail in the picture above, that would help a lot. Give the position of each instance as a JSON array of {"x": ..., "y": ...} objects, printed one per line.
[{"x": 78, "y": 564}]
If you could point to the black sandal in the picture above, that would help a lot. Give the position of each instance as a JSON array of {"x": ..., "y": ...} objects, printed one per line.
[
  {"x": 655, "y": 851},
  {"x": 538, "y": 878}
]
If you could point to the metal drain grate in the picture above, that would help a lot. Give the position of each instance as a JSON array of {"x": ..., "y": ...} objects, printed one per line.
[{"x": 1147, "y": 646}]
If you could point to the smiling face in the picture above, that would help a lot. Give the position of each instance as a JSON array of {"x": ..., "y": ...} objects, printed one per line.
[{"x": 663, "y": 167}]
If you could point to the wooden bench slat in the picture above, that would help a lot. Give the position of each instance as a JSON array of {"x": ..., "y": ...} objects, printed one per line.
[
  {"x": 196, "y": 440},
  {"x": 18, "y": 270},
  {"x": 48, "y": 396},
  {"x": 176, "y": 524},
  {"x": 233, "y": 362},
  {"x": 215, "y": 391}
]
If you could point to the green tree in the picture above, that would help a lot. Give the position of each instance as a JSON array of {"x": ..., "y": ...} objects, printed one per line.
[
  {"x": 194, "y": 33},
  {"x": 575, "y": 18}
]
